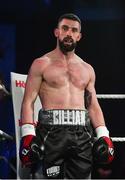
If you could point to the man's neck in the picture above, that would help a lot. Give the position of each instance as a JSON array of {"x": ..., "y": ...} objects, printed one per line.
[{"x": 66, "y": 56}]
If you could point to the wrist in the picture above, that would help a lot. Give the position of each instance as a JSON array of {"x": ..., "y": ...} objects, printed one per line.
[
  {"x": 101, "y": 131},
  {"x": 27, "y": 129}
]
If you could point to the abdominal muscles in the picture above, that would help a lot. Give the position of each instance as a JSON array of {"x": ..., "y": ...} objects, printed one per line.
[{"x": 64, "y": 97}]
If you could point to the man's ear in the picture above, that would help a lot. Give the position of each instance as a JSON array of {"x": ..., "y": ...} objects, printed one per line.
[
  {"x": 79, "y": 37},
  {"x": 56, "y": 32}
]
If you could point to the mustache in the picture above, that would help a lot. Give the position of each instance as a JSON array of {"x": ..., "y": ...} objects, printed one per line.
[{"x": 68, "y": 39}]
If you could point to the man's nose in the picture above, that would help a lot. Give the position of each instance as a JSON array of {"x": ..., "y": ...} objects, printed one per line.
[{"x": 69, "y": 32}]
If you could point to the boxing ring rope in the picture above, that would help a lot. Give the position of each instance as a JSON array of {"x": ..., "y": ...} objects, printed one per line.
[
  {"x": 118, "y": 139},
  {"x": 113, "y": 96}
]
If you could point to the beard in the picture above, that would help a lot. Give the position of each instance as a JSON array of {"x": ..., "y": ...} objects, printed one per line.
[{"x": 67, "y": 44}]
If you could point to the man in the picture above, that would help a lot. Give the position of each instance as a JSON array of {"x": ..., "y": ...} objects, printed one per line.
[{"x": 61, "y": 79}]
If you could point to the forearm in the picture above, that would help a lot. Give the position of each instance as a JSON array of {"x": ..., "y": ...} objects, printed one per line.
[
  {"x": 98, "y": 122},
  {"x": 27, "y": 119},
  {"x": 27, "y": 113},
  {"x": 97, "y": 117}
]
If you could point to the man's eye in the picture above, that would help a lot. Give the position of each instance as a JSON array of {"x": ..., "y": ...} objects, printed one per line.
[
  {"x": 74, "y": 30},
  {"x": 65, "y": 28}
]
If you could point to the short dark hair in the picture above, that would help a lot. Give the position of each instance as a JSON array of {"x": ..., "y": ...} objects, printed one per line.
[{"x": 70, "y": 16}]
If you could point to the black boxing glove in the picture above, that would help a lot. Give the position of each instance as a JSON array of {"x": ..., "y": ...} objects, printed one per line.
[
  {"x": 103, "y": 148},
  {"x": 31, "y": 149}
]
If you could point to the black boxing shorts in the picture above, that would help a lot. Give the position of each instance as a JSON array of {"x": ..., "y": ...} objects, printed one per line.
[{"x": 68, "y": 141}]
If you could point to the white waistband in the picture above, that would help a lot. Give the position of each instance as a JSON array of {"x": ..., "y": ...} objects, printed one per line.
[{"x": 67, "y": 117}]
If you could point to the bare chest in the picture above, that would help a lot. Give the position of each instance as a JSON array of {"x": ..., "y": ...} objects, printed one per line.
[{"x": 58, "y": 75}]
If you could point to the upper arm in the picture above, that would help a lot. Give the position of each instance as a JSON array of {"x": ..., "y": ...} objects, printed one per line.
[
  {"x": 94, "y": 109},
  {"x": 33, "y": 82},
  {"x": 91, "y": 92}
]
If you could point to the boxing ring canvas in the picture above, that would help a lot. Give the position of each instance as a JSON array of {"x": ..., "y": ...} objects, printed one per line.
[{"x": 17, "y": 89}]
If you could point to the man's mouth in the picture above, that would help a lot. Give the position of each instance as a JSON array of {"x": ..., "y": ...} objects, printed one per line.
[{"x": 68, "y": 40}]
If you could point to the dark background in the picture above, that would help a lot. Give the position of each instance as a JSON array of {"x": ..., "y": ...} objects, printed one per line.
[{"x": 102, "y": 45}]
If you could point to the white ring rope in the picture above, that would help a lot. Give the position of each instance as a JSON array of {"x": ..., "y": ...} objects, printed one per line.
[
  {"x": 115, "y": 139},
  {"x": 118, "y": 139},
  {"x": 111, "y": 96}
]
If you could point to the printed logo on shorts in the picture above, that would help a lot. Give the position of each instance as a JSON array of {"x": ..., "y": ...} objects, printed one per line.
[{"x": 53, "y": 171}]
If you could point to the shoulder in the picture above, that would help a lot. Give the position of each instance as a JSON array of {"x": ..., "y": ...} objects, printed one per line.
[
  {"x": 86, "y": 65},
  {"x": 88, "y": 68},
  {"x": 40, "y": 63},
  {"x": 91, "y": 72}
]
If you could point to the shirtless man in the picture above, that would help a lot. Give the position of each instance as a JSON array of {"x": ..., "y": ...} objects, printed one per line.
[{"x": 61, "y": 78}]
